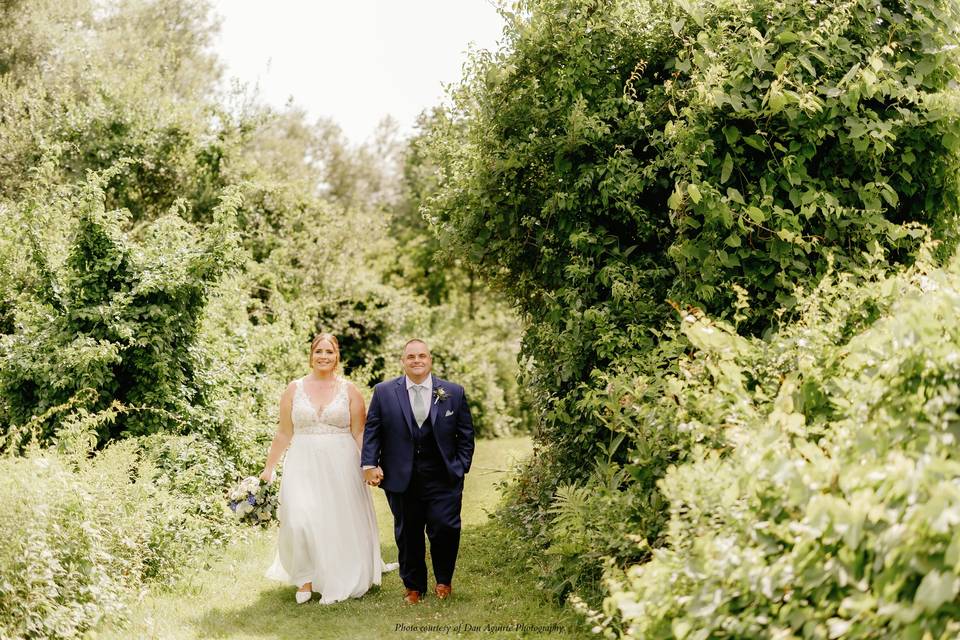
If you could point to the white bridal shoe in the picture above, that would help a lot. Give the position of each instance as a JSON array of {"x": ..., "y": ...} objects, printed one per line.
[{"x": 303, "y": 596}]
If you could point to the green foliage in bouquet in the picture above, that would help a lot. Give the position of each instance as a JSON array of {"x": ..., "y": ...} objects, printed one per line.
[
  {"x": 254, "y": 502},
  {"x": 835, "y": 513}
]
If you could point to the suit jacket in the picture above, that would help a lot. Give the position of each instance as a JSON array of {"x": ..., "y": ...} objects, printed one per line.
[{"x": 388, "y": 440}]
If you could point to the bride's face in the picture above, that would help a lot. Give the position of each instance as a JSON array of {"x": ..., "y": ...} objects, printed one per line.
[{"x": 324, "y": 357}]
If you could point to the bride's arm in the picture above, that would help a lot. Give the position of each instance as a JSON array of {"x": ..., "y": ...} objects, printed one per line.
[
  {"x": 281, "y": 440},
  {"x": 358, "y": 414}
]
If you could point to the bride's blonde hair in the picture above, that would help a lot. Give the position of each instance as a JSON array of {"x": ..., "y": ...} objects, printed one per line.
[{"x": 332, "y": 339}]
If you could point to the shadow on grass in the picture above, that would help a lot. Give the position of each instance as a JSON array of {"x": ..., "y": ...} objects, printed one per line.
[
  {"x": 489, "y": 592},
  {"x": 275, "y": 614}
]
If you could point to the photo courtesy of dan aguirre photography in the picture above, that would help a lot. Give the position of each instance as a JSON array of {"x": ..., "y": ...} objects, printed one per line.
[{"x": 480, "y": 319}]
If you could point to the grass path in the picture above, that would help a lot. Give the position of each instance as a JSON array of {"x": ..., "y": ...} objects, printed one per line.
[{"x": 232, "y": 599}]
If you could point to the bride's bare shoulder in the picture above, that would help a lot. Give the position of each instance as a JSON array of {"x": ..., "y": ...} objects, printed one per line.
[
  {"x": 291, "y": 389},
  {"x": 352, "y": 390}
]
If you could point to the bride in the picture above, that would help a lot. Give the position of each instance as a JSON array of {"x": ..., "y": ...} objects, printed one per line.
[{"x": 328, "y": 541}]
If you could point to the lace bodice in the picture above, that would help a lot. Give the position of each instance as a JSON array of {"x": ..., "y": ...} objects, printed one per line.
[{"x": 334, "y": 418}]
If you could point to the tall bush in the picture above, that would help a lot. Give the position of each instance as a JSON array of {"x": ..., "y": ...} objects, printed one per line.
[
  {"x": 614, "y": 157},
  {"x": 835, "y": 513},
  {"x": 82, "y": 538},
  {"x": 117, "y": 317}
]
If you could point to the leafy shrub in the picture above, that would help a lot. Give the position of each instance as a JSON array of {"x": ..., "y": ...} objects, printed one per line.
[
  {"x": 616, "y": 153},
  {"x": 116, "y": 317},
  {"x": 62, "y": 569},
  {"x": 80, "y": 539},
  {"x": 96, "y": 83},
  {"x": 594, "y": 523},
  {"x": 656, "y": 411},
  {"x": 835, "y": 514},
  {"x": 612, "y": 156},
  {"x": 196, "y": 471},
  {"x": 588, "y": 167}
]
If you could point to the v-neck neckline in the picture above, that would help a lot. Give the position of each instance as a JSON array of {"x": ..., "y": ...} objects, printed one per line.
[{"x": 303, "y": 388}]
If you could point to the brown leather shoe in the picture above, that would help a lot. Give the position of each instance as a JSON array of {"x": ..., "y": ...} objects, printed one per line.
[
  {"x": 411, "y": 596},
  {"x": 443, "y": 591}
]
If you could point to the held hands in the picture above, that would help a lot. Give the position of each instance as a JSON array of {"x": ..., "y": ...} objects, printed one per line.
[{"x": 373, "y": 476}]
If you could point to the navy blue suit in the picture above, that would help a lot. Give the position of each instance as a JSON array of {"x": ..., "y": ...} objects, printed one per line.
[{"x": 423, "y": 470}]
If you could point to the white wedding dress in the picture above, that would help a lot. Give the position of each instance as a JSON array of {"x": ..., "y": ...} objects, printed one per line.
[{"x": 328, "y": 529}]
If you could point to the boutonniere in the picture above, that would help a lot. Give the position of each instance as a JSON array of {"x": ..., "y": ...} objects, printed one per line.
[{"x": 439, "y": 395}]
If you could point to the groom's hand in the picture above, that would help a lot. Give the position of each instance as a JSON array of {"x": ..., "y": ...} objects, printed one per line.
[{"x": 373, "y": 476}]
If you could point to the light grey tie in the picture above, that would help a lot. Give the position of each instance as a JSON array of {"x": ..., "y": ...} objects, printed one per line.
[{"x": 419, "y": 406}]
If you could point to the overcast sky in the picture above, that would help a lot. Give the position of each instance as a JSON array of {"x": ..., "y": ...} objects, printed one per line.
[{"x": 353, "y": 60}]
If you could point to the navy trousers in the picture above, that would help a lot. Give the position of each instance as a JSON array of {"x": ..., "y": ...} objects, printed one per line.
[{"x": 430, "y": 504}]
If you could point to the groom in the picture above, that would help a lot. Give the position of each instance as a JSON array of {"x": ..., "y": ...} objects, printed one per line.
[{"x": 417, "y": 446}]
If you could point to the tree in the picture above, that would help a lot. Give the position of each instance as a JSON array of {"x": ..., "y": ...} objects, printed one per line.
[
  {"x": 94, "y": 83},
  {"x": 116, "y": 325},
  {"x": 614, "y": 157}
]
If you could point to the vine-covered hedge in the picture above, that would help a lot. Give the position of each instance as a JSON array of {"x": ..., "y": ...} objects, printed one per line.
[
  {"x": 836, "y": 513},
  {"x": 117, "y": 320},
  {"x": 615, "y": 159}
]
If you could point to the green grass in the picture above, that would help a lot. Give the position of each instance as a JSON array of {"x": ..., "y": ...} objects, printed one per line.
[{"x": 232, "y": 599}]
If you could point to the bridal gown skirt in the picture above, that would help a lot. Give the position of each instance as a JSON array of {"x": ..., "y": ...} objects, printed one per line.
[{"x": 328, "y": 529}]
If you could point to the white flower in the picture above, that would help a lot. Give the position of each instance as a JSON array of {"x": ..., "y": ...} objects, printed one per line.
[{"x": 926, "y": 284}]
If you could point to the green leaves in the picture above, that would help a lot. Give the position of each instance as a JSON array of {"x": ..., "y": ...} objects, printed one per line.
[
  {"x": 937, "y": 589},
  {"x": 84, "y": 535},
  {"x": 951, "y": 141},
  {"x": 726, "y": 170},
  {"x": 821, "y": 508},
  {"x": 694, "y": 10},
  {"x": 749, "y": 150},
  {"x": 731, "y": 134},
  {"x": 127, "y": 328},
  {"x": 789, "y": 139},
  {"x": 756, "y": 214}
]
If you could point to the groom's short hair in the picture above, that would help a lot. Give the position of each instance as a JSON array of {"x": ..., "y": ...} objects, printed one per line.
[{"x": 411, "y": 341}]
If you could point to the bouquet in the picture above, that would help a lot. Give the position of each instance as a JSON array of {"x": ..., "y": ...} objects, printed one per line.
[{"x": 254, "y": 501}]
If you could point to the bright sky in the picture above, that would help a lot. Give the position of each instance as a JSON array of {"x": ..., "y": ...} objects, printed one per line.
[{"x": 353, "y": 60}]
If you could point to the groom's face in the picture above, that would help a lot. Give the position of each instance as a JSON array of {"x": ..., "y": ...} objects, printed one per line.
[{"x": 416, "y": 361}]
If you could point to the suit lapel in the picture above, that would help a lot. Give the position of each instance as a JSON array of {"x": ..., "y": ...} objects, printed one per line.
[
  {"x": 404, "y": 399},
  {"x": 434, "y": 408}
]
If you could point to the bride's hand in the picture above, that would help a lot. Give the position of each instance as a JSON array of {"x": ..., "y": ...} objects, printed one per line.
[
  {"x": 267, "y": 476},
  {"x": 373, "y": 476}
]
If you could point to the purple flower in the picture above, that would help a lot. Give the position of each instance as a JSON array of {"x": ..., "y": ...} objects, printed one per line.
[{"x": 252, "y": 500}]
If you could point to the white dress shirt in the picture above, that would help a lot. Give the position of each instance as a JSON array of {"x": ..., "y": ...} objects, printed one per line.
[{"x": 426, "y": 393}]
